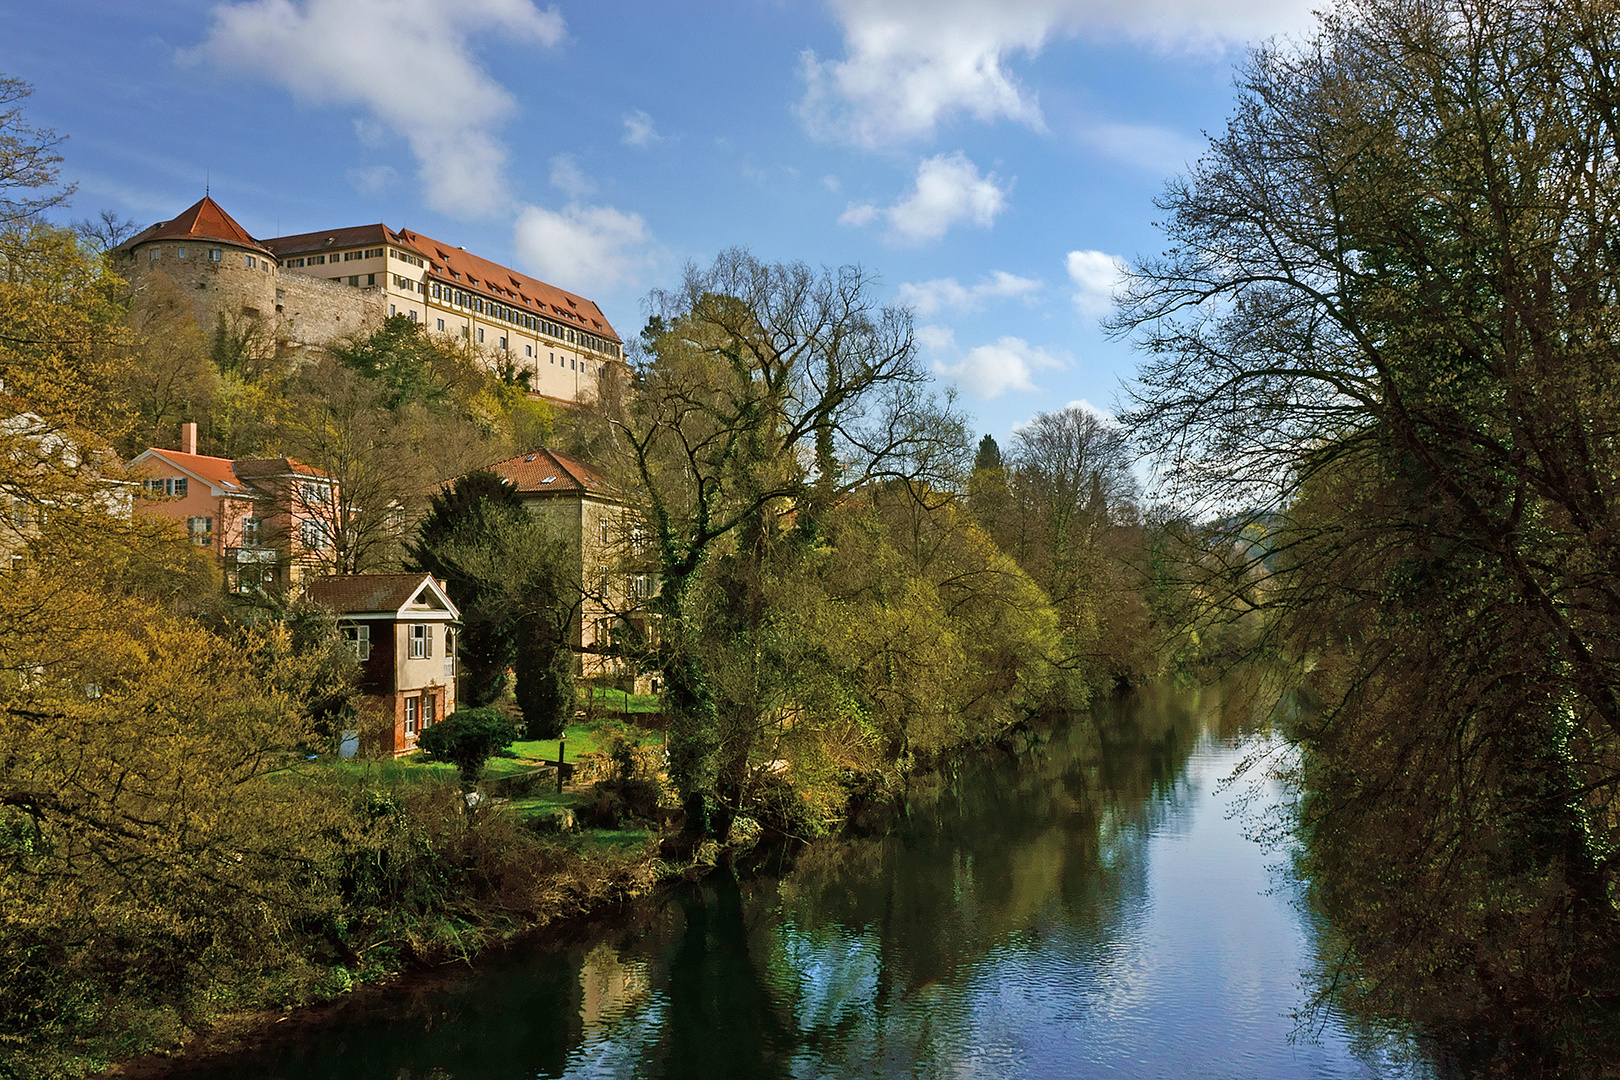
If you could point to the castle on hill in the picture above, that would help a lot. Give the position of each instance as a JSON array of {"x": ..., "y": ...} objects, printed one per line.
[{"x": 314, "y": 288}]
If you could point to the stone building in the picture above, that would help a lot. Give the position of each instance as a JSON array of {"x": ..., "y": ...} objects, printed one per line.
[
  {"x": 307, "y": 290},
  {"x": 601, "y": 541}
]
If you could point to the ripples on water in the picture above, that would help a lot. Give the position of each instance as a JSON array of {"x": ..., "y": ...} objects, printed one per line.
[{"x": 1092, "y": 909}]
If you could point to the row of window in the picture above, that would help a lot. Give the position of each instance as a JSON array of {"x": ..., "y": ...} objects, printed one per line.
[
  {"x": 358, "y": 636},
  {"x": 213, "y": 255},
  {"x": 168, "y": 485},
  {"x": 506, "y": 313},
  {"x": 354, "y": 279},
  {"x": 405, "y": 256},
  {"x": 368, "y": 253}
]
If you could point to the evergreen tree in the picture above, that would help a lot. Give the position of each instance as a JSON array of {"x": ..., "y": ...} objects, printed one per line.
[{"x": 469, "y": 512}]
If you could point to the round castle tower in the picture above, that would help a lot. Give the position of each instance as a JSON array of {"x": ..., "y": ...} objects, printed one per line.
[
  {"x": 228, "y": 275},
  {"x": 214, "y": 261}
]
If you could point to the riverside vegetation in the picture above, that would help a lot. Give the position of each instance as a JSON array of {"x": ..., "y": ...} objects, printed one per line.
[
  {"x": 1381, "y": 387},
  {"x": 838, "y": 607}
]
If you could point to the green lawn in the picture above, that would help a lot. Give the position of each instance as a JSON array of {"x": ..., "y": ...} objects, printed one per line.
[
  {"x": 581, "y": 739},
  {"x": 535, "y": 805},
  {"x": 609, "y": 700}
]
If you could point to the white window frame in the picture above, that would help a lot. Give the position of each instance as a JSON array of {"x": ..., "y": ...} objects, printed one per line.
[
  {"x": 413, "y": 707},
  {"x": 314, "y": 534},
  {"x": 358, "y": 635},
  {"x": 421, "y": 647}
]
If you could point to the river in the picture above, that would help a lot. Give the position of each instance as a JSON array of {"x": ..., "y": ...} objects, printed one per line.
[{"x": 1092, "y": 906}]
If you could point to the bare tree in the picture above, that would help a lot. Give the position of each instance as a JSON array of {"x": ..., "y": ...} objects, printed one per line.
[
  {"x": 28, "y": 160},
  {"x": 106, "y": 231},
  {"x": 1386, "y": 333},
  {"x": 763, "y": 393}
]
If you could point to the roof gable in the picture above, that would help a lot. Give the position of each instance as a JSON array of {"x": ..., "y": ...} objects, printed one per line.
[
  {"x": 216, "y": 472},
  {"x": 401, "y": 595}
]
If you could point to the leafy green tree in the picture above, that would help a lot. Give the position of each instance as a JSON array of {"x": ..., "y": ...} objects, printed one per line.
[
  {"x": 988, "y": 455},
  {"x": 761, "y": 396},
  {"x": 403, "y": 358},
  {"x": 468, "y": 738},
  {"x": 1385, "y": 335}
]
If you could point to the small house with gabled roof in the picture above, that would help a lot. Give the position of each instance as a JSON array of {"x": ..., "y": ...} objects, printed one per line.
[{"x": 402, "y": 628}]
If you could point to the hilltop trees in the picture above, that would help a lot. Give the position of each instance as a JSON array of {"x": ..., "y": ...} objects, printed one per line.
[
  {"x": 1062, "y": 503},
  {"x": 1389, "y": 315}
]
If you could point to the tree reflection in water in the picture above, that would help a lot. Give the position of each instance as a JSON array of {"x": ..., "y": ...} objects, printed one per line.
[{"x": 1037, "y": 909}]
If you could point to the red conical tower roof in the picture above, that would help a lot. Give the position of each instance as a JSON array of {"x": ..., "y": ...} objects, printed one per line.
[{"x": 203, "y": 220}]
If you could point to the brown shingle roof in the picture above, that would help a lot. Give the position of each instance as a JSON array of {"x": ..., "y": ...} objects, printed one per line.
[
  {"x": 354, "y": 593},
  {"x": 257, "y": 468},
  {"x": 527, "y": 294},
  {"x": 204, "y": 220},
  {"x": 551, "y": 472},
  {"x": 348, "y": 237}
]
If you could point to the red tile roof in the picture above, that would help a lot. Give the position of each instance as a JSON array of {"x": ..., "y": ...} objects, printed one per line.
[
  {"x": 552, "y": 472},
  {"x": 215, "y": 470},
  {"x": 464, "y": 270},
  {"x": 354, "y": 593},
  {"x": 234, "y": 477},
  {"x": 204, "y": 220}
]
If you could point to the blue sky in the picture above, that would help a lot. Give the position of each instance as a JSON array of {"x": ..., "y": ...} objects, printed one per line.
[{"x": 992, "y": 163}]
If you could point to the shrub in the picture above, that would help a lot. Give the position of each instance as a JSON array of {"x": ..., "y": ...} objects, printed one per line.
[{"x": 467, "y": 739}]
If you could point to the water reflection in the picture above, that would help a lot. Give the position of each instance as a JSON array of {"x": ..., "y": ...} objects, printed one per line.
[{"x": 1084, "y": 908}]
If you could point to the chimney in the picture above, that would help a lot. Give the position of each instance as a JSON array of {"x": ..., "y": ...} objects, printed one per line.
[{"x": 188, "y": 438}]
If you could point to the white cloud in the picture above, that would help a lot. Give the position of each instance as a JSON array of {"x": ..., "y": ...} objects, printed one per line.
[
  {"x": 1146, "y": 146},
  {"x": 1096, "y": 276},
  {"x": 948, "y": 190},
  {"x": 936, "y": 339},
  {"x": 567, "y": 177},
  {"x": 830, "y": 182},
  {"x": 408, "y": 63},
  {"x": 590, "y": 248},
  {"x": 927, "y": 297},
  {"x": 639, "y": 130},
  {"x": 859, "y": 214},
  {"x": 373, "y": 180},
  {"x": 989, "y": 371},
  {"x": 910, "y": 64}
]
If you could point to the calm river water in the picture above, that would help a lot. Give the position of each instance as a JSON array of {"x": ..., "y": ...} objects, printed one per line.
[{"x": 1089, "y": 908}]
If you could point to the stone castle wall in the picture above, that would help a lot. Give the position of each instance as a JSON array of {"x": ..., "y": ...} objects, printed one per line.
[{"x": 300, "y": 311}]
